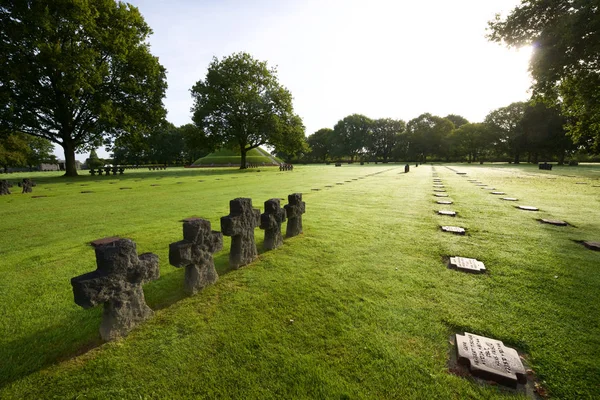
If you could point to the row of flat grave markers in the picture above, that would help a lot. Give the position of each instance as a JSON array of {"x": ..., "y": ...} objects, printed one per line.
[
  {"x": 486, "y": 358},
  {"x": 117, "y": 281}
]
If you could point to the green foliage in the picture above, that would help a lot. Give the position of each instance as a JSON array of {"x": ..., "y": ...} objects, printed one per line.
[
  {"x": 40, "y": 151},
  {"x": 566, "y": 59},
  {"x": 241, "y": 104},
  {"x": 385, "y": 136},
  {"x": 13, "y": 151},
  {"x": 93, "y": 161},
  {"x": 352, "y": 136},
  {"x": 506, "y": 123},
  {"x": 473, "y": 140},
  {"x": 74, "y": 72},
  {"x": 321, "y": 144},
  {"x": 457, "y": 120},
  {"x": 427, "y": 134},
  {"x": 372, "y": 302},
  {"x": 545, "y": 133}
]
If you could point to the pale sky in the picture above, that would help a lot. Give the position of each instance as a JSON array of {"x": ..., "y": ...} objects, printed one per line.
[{"x": 380, "y": 58}]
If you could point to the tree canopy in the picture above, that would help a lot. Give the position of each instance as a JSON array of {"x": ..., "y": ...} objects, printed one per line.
[
  {"x": 352, "y": 135},
  {"x": 241, "y": 104},
  {"x": 565, "y": 35},
  {"x": 76, "y": 72}
]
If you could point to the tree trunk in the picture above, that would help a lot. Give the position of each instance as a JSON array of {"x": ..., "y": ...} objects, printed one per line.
[
  {"x": 517, "y": 157},
  {"x": 70, "y": 165},
  {"x": 243, "y": 160}
]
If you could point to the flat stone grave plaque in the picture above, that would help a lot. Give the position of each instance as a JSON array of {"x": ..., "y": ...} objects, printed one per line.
[
  {"x": 155, "y": 184},
  {"x": 528, "y": 208},
  {"x": 339, "y": 183},
  {"x": 124, "y": 188},
  {"x": 471, "y": 180},
  {"x": 510, "y": 199},
  {"x": 348, "y": 181},
  {"x": 315, "y": 189},
  {"x": 553, "y": 222},
  {"x": 454, "y": 229},
  {"x": 490, "y": 359},
  {"x": 481, "y": 184},
  {"x": 201, "y": 180},
  {"x": 38, "y": 197},
  {"x": 444, "y": 202},
  {"x": 438, "y": 186},
  {"x": 581, "y": 183},
  {"x": 87, "y": 191},
  {"x": 440, "y": 195},
  {"x": 447, "y": 212},
  {"x": 329, "y": 186},
  {"x": 467, "y": 265},
  {"x": 461, "y": 173},
  {"x": 489, "y": 188},
  {"x": 592, "y": 245},
  {"x": 498, "y": 193},
  {"x": 439, "y": 190}
]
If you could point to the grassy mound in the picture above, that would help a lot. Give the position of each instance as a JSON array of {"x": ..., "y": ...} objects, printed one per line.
[{"x": 225, "y": 157}]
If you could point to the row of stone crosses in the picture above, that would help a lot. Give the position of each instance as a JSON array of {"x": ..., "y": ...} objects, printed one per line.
[{"x": 120, "y": 274}]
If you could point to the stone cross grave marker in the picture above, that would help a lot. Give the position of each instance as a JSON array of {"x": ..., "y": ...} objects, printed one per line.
[
  {"x": 195, "y": 253},
  {"x": 467, "y": 264},
  {"x": 528, "y": 208},
  {"x": 454, "y": 229},
  {"x": 447, "y": 212},
  {"x": 490, "y": 359},
  {"x": 294, "y": 210},
  {"x": 553, "y": 222},
  {"x": 27, "y": 185},
  {"x": 444, "y": 202},
  {"x": 240, "y": 224},
  {"x": 4, "y": 187},
  {"x": 117, "y": 283},
  {"x": 271, "y": 221}
]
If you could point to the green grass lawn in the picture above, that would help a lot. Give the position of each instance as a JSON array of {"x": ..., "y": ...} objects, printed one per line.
[{"x": 359, "y": 306}]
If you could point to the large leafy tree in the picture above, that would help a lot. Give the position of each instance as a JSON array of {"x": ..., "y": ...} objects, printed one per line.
[
  {"x": 13, "y": 150},
  {"x": 385, "y": 136},
  {"x": 545, "y": 132},
  {"x": 40, "y": 151},
  {"x": 77, "y": 72},
  {"x": 352, "y": 135},
  {"x": 506, "y": 124},
  {"x": 426, "y": 134},
  {"x": 472, "y": 140},
  {"x": 241, "y": 104},
  {"x": 565, "y": 65},
  {"x": 321, "y": 144}
]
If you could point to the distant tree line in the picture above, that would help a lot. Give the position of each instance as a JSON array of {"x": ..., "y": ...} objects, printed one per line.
[
  {"x": 522, "y": 131},
  {"x": 19, "y": 150}
]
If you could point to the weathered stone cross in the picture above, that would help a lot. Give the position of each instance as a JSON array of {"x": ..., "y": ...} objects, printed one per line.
[
  {"x": 294, "y": 210},
  {"x": 195, "y": 253},
  {"x": 117, "y": 283},
  {"x": 271, "y": 221},
  {"x": 240, "y": 224}
]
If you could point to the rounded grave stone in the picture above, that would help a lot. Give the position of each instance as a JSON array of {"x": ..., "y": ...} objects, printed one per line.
[{"x": 465, "y": 264}]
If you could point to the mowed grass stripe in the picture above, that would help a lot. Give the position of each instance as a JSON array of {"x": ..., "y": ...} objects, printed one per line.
[{"x": 372, "y": 303}]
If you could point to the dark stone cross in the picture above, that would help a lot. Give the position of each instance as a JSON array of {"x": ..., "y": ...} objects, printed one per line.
[
  {"x": 271, "y": 222},
  {"x": 195, "y": 253},
  {"x": 117, "y": 283},
  {"x": 406, "y": 169},
  {"x": 4, "y": 187},
  {"x": 27, "y": 185},
  {"x": 294, "y": 210},
  {"x": 240, "y": 224}
]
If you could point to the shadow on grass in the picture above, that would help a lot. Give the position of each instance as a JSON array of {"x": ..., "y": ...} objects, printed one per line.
[{"x": 30, "y": 354}]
